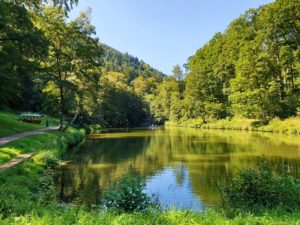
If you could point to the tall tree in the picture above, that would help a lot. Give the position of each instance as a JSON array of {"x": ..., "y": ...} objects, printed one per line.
[
  {"x": 72, "y": 60},
  {"x": 21, "y": 46},
  {"x": 177, "y": 73}
]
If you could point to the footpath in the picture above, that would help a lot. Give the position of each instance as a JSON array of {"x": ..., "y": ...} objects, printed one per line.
[{"x": 20, "y": 158}]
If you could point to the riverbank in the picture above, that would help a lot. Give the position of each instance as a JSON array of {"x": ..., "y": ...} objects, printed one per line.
[
  {"x": 29, "y": 185},
  {"x": 28, "y": 196},
  {"x": 51, "y": 144},
  {"x": 287, "y": 126}
]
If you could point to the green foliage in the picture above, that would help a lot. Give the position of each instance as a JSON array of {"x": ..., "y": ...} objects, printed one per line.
[
  {"x": 120, "y": 105},
  {"x": 232, "y": 124},
  {"x": 251, "y": 70},
  {"x": 51, "y": 64},
  {"x": 177, "y": 73},
  {"x": 166, "y": 104},
  {"x": 257, "y": 190},
  {"x": 24, "y": 188},
  {"x": 130, "y": 66},
  {"x": 71, "y": 64},
  {"x": 276, "y": 125},
  {"x": 21, "y": 45},
  {"x": 128, "y": 196},
  {"x": 289, "y": 126}
]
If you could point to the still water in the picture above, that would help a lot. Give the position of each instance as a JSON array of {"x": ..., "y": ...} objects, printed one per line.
[{"x": 182, "y": 166}]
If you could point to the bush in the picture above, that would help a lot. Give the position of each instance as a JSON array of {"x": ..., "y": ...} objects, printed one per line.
[
  {"x": 92, "y": 129},
  {"x": 258, "y": 190},
  {"x": 128, "y": 196}
]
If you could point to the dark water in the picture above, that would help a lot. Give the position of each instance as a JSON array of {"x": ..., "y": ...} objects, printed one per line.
[{"x": 182, "y": 166}]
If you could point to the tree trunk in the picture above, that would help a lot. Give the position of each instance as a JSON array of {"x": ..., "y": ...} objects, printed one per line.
[
  {"x": 72, "y": 121},
  {"x": 62, "y": 109}
]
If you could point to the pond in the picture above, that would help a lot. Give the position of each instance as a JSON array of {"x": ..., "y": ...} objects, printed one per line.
[{"x": 182, "y": 166}]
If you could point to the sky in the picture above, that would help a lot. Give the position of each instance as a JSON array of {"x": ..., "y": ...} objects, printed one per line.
[{"x": 163, "y": 33}]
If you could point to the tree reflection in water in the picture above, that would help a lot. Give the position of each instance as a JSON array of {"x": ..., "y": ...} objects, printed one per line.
[{"x": 192, "y": 162}]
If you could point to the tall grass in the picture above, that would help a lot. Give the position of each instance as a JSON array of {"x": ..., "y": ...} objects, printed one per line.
[
  {"x": 287, "y": 126},
  {"x": 73, "y": 215}
]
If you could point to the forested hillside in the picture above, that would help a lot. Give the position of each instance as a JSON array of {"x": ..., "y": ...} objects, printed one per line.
[
  {"x": 57, "y": 67},
  {"x": 251, "y": 70},
  {"x": 131, "y": 66},
  {"x": 126, "y": 84}
]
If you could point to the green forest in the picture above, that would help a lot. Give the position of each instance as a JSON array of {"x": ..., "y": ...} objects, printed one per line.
[
  {"x": 251, "y": 70},
  {"x": 52, "y": 65}
]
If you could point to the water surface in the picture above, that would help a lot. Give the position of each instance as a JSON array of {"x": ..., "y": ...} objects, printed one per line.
[{"x": 182, "y": 166}]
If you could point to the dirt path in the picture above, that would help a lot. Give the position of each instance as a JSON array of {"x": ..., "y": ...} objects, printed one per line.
[
  {"x": 15, "y": 161},
  {"x": 14, "y": 137},
  {"x": 20, "y": 158}
]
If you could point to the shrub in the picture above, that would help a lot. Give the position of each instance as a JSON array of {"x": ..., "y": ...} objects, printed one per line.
[
  {"x": 128, "y": 196},
  {"x": 261, "y": 189},
  {"x": 93, "y": 129}
]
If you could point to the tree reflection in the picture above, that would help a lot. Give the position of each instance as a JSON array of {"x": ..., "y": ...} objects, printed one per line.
[{"x": 205, "y": 158}]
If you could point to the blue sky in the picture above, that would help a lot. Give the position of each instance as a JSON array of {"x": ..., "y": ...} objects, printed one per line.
[{"x": 163, "y": 33}]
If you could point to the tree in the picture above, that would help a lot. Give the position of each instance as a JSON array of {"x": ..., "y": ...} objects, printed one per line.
[
  {"x": 177, "y": 73},
  {"x": 70, "y": 68},
  {"x": 21, "y": 46},
  {"x": 204, "y": 94}
]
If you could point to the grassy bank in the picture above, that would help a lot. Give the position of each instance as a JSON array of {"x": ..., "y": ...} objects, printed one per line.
[
  {"x": 63, "y": 216},
  {"x": 10, "y": 124},
  {"x": 51, "y": 143},
  {"x": 288, "y": 126},
  {"x": 30, "y": 186}
]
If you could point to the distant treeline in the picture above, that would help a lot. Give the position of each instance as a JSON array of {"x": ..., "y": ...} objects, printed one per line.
[{"x": 251, "y": 70}]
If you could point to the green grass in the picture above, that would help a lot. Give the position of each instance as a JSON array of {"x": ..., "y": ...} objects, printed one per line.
[
  {"x": 231, "y": 124},
  {"x": 28, "y": 186},
  {"x": 10, "y": 125},
  {"x": 195, "y": 123},
  {"x": 73, "y": 215},
  {"x": 45, "y": 142},
  {"x": 289, "y": 126},
  {"x": 286, "y": 126}
]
